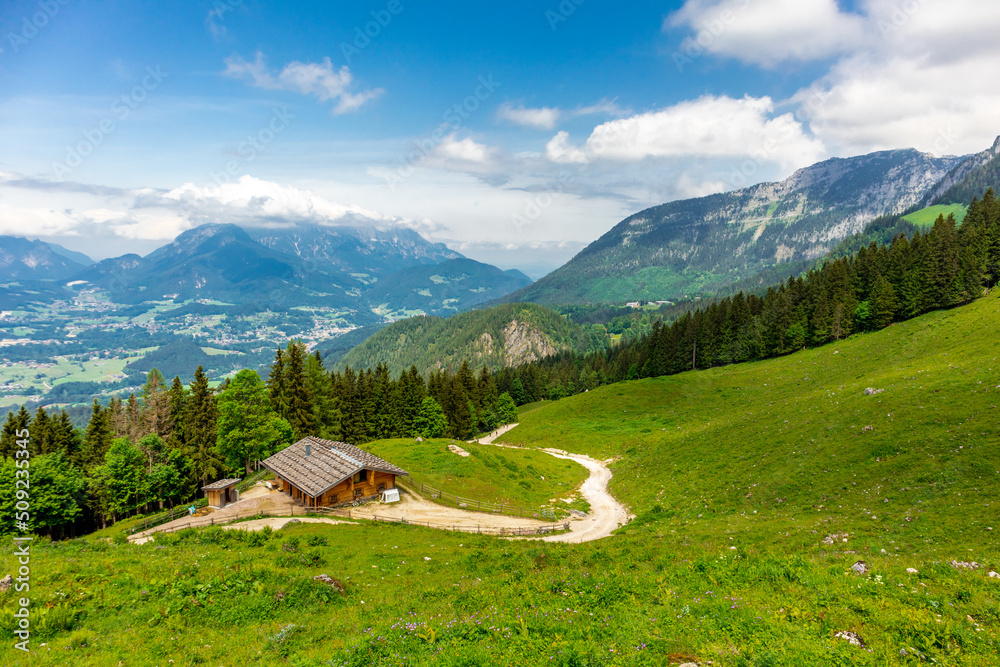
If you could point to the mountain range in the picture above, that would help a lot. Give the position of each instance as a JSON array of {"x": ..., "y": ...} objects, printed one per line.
[
  {"x": 354, "y": 269},
  {"x": 697, "y": 246}
]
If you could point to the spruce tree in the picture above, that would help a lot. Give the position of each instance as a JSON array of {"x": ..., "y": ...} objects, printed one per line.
[
  {"x": 41, "y": 432},
  {"x": 14, "y": 429},
  {"x": 200, "y": 429},
  {"x": 65, "y": 438},
  {"x": 277, "y": 385},
  {"x": 301, "y": 411},
  {"x": 155, "y": 405},
  {"x": 883, "y": 304},
  {"x": 98, "y": 437},
  {"x": 177, "y": 409}
]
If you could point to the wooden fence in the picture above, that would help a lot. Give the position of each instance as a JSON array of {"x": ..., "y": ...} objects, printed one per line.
[
  {"x": 482, "y": 530},
  {"x": 179, "y": 511},
  {"x": 472, "y": 503},
  {"x": 210, "y": 520}
]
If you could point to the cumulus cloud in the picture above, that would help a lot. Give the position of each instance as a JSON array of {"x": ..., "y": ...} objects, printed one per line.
[
  {"x": 716, "y": 127},
  {"x": 767, "y": 32},
  {"x": 155, "y": 215},
  {"x": 904, "y": 74},
  {"x": 560, "y": 151},
  {"x": 319, "y": 80},
  {"x": 464, "y": 150},
  {"x": 912, "y": 85},
  {"x": 544, "y": 118}
]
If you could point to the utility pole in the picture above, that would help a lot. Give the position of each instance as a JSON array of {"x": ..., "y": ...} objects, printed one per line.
[{"x": 694, "y": 356}]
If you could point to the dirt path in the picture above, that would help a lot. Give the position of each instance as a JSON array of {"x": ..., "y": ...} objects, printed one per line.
[
  {"x": 606, "y": 513},
  {"x": 279, "y": 522},
  {"x": 417, "y": 510},
  {"x": 489, "y": 440},
  {"x": 257, "y": 499}
]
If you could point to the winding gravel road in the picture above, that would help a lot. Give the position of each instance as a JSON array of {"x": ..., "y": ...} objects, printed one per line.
[{"x": 606, "y": 513}]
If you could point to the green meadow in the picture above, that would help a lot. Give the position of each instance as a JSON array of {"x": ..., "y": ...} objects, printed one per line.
[
  {"x": 925, "y": 217},
  {"x": 527, "y": 478}
]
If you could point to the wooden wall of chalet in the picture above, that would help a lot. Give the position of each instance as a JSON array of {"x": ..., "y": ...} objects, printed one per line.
[{"x": 344, "y": 492}]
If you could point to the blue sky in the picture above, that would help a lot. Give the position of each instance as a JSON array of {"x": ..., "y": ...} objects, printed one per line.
[{"x": 516, "y": 133}]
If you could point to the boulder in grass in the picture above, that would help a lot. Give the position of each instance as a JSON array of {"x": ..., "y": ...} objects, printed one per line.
[
  {"x": 860, "y": 567},
  {"x": 911, "y": 570},
  {"x": 6, "y": 583},
  {"x": 852, "y": 637}
]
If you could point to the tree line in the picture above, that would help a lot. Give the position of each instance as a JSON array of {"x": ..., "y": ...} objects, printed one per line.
[
  {"x": 159, "y": 448},
  {"x": 946, "y": 266}
]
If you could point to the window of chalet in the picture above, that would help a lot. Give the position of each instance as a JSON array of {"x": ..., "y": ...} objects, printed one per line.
[{"x": 361, "y": 477}]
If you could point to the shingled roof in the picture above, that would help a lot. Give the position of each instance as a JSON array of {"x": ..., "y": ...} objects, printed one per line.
[
  {"x": 329, "y": 463},
  {"x": 221, "y": 484}
]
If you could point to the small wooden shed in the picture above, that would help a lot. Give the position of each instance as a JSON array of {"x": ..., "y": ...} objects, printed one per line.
[{"x": 222, "y": 493}]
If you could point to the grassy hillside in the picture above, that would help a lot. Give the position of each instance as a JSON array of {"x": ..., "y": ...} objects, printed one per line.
[
  {"x": 788, "y": 436},
  {"x": 527, "y": 478},
  {"x": 501, "y": 336},
  {"x": 746, "y": 480},
  {"x": 925, "y": 217}
]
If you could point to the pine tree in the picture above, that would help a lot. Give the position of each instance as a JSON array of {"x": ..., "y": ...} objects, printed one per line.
[
  {"x": 116, "y": 417},
  {"x": 325, "y": 413},
  {"x": 65, "y": 438},
  {"x": 301, "y": 412},
  {"x": 41, "y": 432},
  {"x": 155, "y": 406},
  {"x": 14, "y": 429},
  {"x": 883, "y": 304},
  {"x": 200, "y": 429},
  {"x": 134, "y": 422},
  {"x": 277, "y": 385},
  {"x": 177, "y": 409},
  {"x": 99, "y": 435}
]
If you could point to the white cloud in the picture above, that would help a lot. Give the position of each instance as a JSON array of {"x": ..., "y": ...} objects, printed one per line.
[
  {"x": 317, "y": 79},
  {"x": 717, "y": 127},
  {"x": 544, "y": 118},
  {"x": 767, "y": 32},
  {"x": 906, "y": 74},
  {"x": 913, "y": 86},
  {"x": 464, "y": 150},
  {"x": 560, "y": 151},
  {"x": 254, "y": 202}
]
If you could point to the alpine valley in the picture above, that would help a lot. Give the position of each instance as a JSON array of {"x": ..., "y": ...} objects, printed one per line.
[{"x": 224, "y": 297}]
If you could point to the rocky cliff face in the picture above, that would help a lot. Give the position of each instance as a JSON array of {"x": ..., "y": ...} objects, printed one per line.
[{"x": 523, "y": 344}]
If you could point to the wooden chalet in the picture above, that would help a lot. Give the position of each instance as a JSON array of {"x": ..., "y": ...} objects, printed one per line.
[{"x": 324, "y": 473}]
